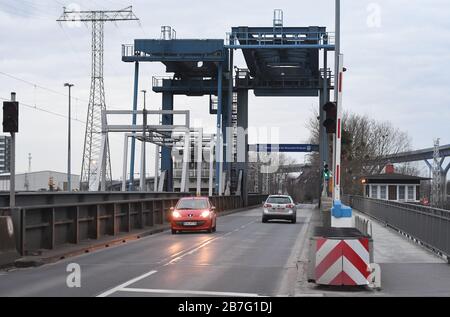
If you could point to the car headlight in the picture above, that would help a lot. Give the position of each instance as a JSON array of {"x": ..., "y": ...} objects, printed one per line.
[
  {"x": 176, "y": 214},
  {"x": 206, "y": 214}
]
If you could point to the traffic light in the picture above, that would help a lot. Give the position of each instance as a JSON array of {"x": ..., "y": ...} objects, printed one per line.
[
  {"x": 331, "y": 116},
  {"x": 326, "y": 172},
  {"x": 10, "y": 116}
]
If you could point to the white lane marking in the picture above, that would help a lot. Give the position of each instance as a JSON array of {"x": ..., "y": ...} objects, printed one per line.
[
  {"x": 180, "y": 257},
  {"x": 181, "y": 254},
  {"x": 204, "y": 244},
  {"x": 123, "y": 285},
  {"x": 185, "y": 253},
  {"x": 187, "y": 292}
]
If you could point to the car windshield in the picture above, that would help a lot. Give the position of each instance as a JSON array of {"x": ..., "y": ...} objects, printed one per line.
[
  {"x": 279, "y": 200},
  {"x": 191, "y": 204}
]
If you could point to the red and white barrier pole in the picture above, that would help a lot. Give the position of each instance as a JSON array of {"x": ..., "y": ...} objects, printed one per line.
[{"x": 337, "y": 154}]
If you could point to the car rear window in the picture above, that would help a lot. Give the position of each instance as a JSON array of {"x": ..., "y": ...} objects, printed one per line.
[
  {"x": 190, "y": 204},
  {"x": 279, "y": 200}
]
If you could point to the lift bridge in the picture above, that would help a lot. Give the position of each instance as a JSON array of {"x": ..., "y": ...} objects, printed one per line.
[{"x": 280, "y": 62}]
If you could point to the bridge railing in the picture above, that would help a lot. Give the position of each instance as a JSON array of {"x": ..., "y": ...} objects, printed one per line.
[
  {"x": 256, "y": 199},
  {"x": 59, "y": 198},
  {"x": 45, "y": 226},
  {"x": 429, "y": 226}
]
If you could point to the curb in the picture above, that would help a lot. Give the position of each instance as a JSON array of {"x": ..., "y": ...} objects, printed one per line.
[{"x": 36, "y": 261}]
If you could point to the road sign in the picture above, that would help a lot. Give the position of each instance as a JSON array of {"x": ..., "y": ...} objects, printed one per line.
[{"x": 284, "y": 148}]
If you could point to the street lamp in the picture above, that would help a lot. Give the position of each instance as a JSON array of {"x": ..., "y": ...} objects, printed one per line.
[
  {"x": 69, "y": 177},
  {"x": 144, "y": 127}
]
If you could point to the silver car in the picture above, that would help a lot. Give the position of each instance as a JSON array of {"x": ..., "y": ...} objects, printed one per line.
[{"x": 279, "y": 207}]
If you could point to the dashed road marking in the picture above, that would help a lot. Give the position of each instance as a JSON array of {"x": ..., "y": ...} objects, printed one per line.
[{"x": 175, "y": 258}]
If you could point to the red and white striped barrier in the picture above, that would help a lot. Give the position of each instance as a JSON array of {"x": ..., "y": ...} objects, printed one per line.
[{"x": 342, "y": 262}]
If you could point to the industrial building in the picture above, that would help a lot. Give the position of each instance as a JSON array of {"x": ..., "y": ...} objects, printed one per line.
[{"x": 40, "y": 181}]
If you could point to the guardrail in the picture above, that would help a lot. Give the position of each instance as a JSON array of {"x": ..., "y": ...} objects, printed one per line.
[
  {"x": 429, "y": 226},
  {"x": 47, "y": 226},
  {"x": 55, "y": 198}
]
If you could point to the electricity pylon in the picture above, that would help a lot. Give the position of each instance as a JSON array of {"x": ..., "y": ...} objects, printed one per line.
[{"x": 91, "y": 164}]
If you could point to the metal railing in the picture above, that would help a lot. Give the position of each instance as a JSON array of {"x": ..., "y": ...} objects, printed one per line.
[
  {"x": 256, "y": 199},
  {"x": 283, "y": 37},
  {"x": 158, "y": 81},
  {"x": 129, "y": 51},
  {"x": 429, "y": 226}
]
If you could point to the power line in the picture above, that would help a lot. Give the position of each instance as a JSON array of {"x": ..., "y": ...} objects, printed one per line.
[
  {"x": 54, "y": 113},
  {"x": 45, "y": 110},
  {"x": 36, "y": 85}
]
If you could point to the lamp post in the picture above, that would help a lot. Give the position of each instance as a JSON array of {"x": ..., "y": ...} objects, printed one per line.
[
  {"x": 69, "y": 177},
  {"x": 144, "y": 127}
]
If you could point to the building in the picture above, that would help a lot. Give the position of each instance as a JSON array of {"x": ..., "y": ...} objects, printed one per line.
[
  {"x": 5, "y": 149},
  {"x": 192, "y": 173},
  {"x": 40, "y": 181},
  {"x": 393, "y": 186}
]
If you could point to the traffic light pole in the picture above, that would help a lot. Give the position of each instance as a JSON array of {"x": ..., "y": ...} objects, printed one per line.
[
  {"x": 12, "y": 165},
  {"x": 338, "y": 135},
  {"x": 337, "y": 53}
]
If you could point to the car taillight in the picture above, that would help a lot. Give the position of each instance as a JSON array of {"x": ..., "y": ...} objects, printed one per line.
[
  {"x": 290, "y": 206},
  {"x": 267, "y": 206}
]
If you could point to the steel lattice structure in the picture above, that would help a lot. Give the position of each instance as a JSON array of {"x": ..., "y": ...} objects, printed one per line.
[
  {"x": 436, "y": 185},
  {"x": 90, "y": 169}
]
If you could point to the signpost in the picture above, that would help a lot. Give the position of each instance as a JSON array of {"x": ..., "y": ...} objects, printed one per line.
[
  {"x": 284, "y": 148},
  {"x": 11, "y": 125}
]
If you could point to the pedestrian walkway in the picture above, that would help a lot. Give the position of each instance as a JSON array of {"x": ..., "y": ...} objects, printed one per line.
[
  {"x": 392, "y": 247},
  {"x": 407, "y": 269}
]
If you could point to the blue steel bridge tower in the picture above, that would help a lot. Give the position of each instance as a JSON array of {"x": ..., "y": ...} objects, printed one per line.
[{"x": 280, "y": 62}]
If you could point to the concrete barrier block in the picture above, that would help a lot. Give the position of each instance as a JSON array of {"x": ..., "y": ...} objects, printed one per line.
[{"x": 8, "y": 251}]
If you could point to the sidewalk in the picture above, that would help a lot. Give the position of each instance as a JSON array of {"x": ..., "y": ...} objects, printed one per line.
[
  {"x": 392, "y": 247},
  {"x": 407, "y": 269}
]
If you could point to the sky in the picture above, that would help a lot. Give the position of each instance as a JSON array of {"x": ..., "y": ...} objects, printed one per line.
[{"x": 396, "y": 53}]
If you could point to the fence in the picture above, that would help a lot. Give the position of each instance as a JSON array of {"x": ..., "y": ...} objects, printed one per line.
[
  {"x": 47, "y": 226},
  {"x": 430, "y": 226}
]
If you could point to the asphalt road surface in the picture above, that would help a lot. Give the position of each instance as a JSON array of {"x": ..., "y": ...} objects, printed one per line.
[{"x": 243, "y": 258}]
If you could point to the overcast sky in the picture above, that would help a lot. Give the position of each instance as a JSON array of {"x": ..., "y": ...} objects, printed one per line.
[{"x": 397, "y": 54}]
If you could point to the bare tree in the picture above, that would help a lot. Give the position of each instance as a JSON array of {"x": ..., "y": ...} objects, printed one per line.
[{"x": 363, "y": 140}]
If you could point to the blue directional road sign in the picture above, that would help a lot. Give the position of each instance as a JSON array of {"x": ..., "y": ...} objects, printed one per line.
[{"x": 284, "y": 148}]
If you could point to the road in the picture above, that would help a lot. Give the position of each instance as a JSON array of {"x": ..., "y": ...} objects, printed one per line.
[{"x": 244, "y": 258}]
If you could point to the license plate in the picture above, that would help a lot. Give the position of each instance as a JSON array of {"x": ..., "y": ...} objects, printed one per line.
[{"x": 190, "y": 224}]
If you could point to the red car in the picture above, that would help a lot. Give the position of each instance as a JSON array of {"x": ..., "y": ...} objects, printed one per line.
[{"x": 193, "y": 214}]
